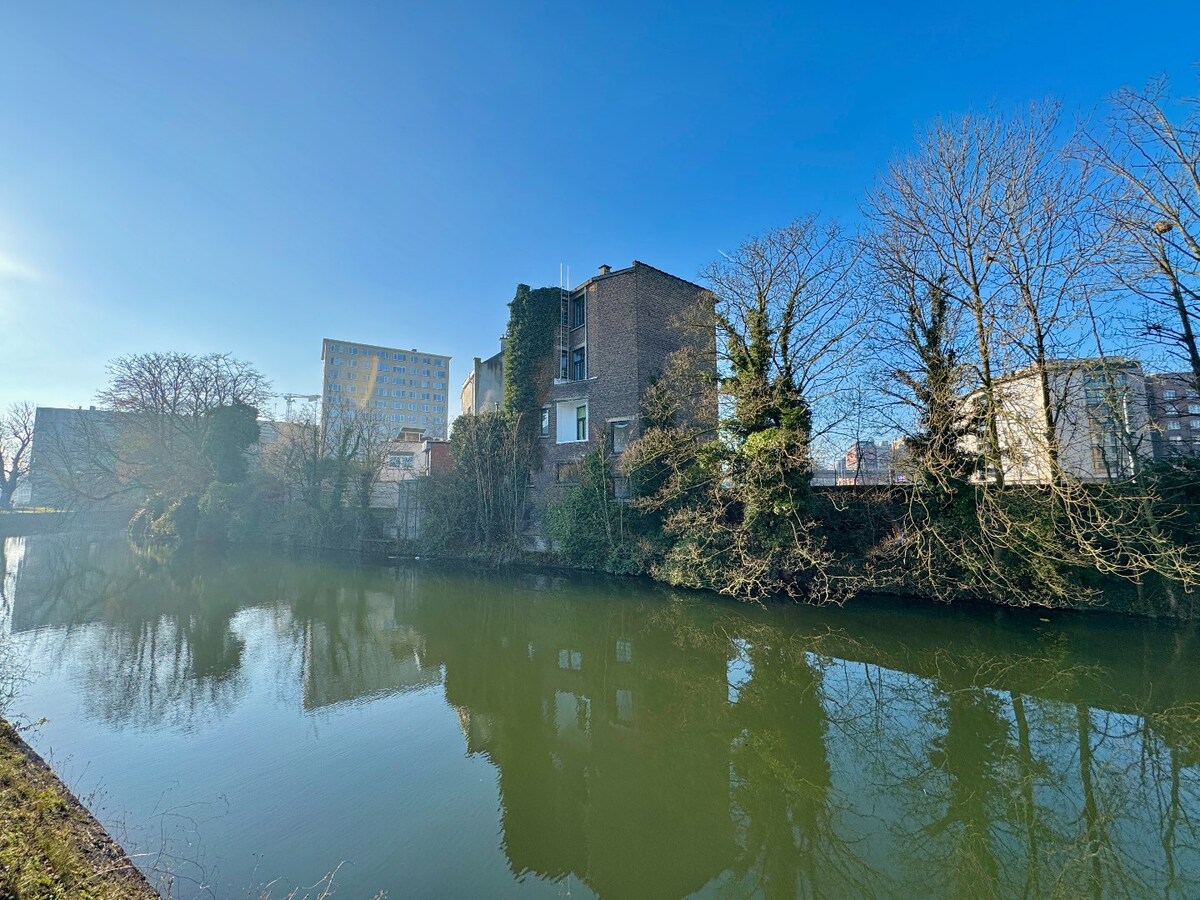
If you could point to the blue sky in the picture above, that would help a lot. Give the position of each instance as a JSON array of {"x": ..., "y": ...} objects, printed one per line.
[{"x": 253, "y": 177}]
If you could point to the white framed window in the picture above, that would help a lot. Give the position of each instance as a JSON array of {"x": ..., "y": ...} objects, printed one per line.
[
  {"x": 571, "y": 418},
  {"x": 1173, "y": 425},
  {"x": 544, "y": 427},
  {"x": 1169, "y": 394}
]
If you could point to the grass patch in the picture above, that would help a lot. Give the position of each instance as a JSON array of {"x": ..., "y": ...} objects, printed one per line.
[{"x": 50, "y": 846}]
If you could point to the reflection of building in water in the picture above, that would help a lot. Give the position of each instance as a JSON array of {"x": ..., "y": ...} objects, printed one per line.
[
  {"x": 358, "y": 649},
  {"x": 609, "y": 740}
]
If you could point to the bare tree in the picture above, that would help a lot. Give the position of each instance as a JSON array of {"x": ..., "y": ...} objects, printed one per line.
[
  {"x": 936, "y": 216},
  {"x": 166, "y": 403},
  {"x": 1152, "y": 155},
  {"x": 16, "y": 443}
]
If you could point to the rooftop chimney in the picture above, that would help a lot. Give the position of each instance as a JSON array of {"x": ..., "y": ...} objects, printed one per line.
[{"x": 604, "y": 270}]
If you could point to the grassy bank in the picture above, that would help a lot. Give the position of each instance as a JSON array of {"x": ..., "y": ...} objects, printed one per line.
[{"x": 50, "y": 846}]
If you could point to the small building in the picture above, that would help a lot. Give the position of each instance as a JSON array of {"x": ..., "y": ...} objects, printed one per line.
[{"x": 483, "y": 391}]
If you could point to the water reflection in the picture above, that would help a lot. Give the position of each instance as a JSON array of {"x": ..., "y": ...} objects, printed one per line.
[{"x": 653, "y": 744}]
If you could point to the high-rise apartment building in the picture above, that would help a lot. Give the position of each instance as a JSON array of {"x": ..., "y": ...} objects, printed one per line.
[{"x": 402, "y": 390}]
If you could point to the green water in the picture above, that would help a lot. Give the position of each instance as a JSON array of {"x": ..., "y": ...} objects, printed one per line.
[{"x": 248, "y": 721}]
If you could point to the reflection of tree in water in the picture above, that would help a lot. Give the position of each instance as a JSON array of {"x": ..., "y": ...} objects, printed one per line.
[
  {"x": 782, "y": 781},
  {"x": 168, "y": 655}
]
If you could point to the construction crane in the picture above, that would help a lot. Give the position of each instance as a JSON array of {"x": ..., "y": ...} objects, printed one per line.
[{"x": 288, "y": 399}]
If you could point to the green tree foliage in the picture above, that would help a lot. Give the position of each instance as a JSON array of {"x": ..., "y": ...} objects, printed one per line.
[
  {"x": 231, "y": 431},
  {"x": 592, "y": 529}
]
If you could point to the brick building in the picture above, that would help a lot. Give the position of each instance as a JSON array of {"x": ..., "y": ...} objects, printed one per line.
[
  {"x": 616, "y": 331},
  {"x": 1174, "y": 414}
]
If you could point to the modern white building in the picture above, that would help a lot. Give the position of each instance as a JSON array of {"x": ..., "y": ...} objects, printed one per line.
[
  {"x": 1100, "y": 413},
  {"x": 400, "y": 389}
]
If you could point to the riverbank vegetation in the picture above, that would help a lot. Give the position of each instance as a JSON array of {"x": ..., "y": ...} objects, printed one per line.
[{"x": 49, "y": 845}]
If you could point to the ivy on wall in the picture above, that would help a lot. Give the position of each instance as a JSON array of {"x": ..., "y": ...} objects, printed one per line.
[{"x": 529, "y": 351}]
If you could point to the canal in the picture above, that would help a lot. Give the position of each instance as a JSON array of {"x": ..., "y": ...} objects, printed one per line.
[{"x": 248, "y": 722}]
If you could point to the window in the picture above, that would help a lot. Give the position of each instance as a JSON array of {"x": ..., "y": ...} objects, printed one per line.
[
  {"x": 570, "y": 659},
  {"x": 1173, "y": 425},
  {"x": 441, "y": 374},
  {"x": 1194, "y": 409},
  {"x": 398, "y": 356},
  {"x": 578, "y": 308},
  {"x": 424, "y": 396},
  {"x": 624, "y": 651},
  {"x": 424, "y": 384},
  {"x": 441, "y": 385},
  {"x": 397, "y": 393},
  {"x": 618, "y": 436},
  {"x": 412, "y": 407},
  {"x": 353, "y": 389},
  {"x": 439, "y": 362},
  {"x": 581, "y": 429},
  {"x": 381, "y": 404},
  {"x": 440, "y": 409},
  {"x": 567, "y": 472},
  {"x": 624, "y": 705},
  {"x": 562, "y": 365},
  {"x": 399, "y": 369},
  {"x": 1168, "y": 394},
  {"x": 337, "y": 360},
  {"x": 544, "y": 428},
  {"x": 382, "y": 354},
  {"x": 353, "y": 376},
  {"x": 578, "y": 364},
  {"x": 354, "y": 362},
  {"x": 397, "y": 406},
  {"x": 425, "y": 360},
  {"x": 353, "y": 351},
  {"x": 425, "y": 372}
]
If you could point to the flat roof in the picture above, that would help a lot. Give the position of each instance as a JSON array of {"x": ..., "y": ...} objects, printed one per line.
[{"x": 325, "y": 342}]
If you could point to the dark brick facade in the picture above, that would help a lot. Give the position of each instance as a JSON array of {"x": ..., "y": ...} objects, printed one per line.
[
  {"x": 1174, "y": 405},
  {"x": 632, "y": 324}
]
